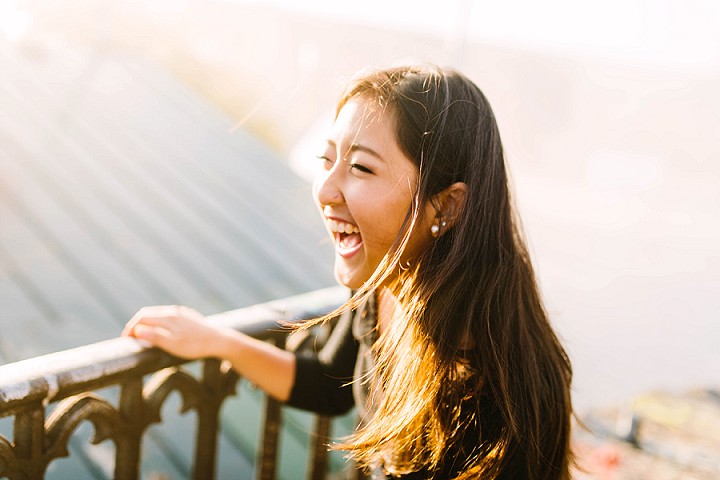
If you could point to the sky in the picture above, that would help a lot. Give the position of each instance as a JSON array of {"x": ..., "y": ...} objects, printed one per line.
[{"x": 662, "y": 33}]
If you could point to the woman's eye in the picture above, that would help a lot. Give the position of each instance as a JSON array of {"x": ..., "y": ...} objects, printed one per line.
[
  {"x": 327, "y": 162},
  {"x": 361, "y": 168}
]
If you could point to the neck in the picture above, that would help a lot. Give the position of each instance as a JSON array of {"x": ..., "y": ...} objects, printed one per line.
[{"x": 386, "y": 304}]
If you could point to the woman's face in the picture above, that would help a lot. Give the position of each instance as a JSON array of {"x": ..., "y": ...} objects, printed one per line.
[{"x": 365, "y": 192}]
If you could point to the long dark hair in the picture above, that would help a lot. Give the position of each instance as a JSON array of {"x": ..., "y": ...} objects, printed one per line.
[{"x": 472, "y": 380}]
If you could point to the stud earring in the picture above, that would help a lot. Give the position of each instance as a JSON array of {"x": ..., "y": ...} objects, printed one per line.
[{"x": 435, "y": 229}]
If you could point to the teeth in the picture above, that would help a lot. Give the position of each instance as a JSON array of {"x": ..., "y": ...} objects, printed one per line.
[{"x": 342, "y": 227}]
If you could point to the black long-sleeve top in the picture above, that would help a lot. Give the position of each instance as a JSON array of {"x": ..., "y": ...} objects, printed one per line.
[
  {"x": 333, "y": 380},
  {"x": 324, "y": 381}
]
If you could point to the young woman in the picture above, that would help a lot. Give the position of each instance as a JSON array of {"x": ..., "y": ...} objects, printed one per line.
[{"x": 445, "y": 347}]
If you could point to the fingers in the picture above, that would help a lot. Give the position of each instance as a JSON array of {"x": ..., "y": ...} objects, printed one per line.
[
  {"x": 179, "y": 346},
  {"x": 159, "y": 316},
  {"x": 178, "y": 330},
  {"x": 155, "y": 336}
]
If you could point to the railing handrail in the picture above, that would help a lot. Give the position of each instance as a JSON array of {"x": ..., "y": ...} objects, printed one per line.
[
  {"x": 69, "y": 378},
  {"x": 52, "y": 377}
]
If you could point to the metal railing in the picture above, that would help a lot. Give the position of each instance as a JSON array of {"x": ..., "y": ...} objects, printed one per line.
[{"x": 64, "y": 383}]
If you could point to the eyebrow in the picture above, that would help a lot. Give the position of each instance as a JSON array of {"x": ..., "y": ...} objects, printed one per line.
[{"x": 356, "y": 147}]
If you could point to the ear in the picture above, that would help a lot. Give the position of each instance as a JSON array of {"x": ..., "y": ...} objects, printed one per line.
[{"x": 449, "y": 204}]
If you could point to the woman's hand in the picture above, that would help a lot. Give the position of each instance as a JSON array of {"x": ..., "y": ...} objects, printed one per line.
[
  {"x": 185, "y": 333},
  {"x": 181, "y": 331}
]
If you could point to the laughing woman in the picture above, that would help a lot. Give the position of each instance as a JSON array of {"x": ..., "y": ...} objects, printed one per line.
[{"x": 445, "y": 347}]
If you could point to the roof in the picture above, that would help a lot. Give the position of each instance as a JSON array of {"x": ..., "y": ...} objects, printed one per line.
[{"x": 120, "y": 187}]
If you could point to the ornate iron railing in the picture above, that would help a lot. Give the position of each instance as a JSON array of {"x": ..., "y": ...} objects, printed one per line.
[{"x": 63, "y": 383}]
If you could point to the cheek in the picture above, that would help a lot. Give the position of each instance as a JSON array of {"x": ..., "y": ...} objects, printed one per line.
[
  {"x": 380, "y": 236},
  {"x": 383, "y": 223}
]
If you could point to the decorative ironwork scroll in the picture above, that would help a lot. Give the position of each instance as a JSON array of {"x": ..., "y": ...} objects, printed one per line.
[
  {"x": 69, "y": 379},
  {"x": 124, "y": 426}
]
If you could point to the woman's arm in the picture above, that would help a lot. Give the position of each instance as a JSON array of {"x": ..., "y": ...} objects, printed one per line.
[
  {"x": 323, "y": 378},
  {"x": 185, "y": 333}
]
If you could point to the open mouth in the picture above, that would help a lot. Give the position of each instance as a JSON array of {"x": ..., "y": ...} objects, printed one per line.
[{"x": 348, "y": 240}]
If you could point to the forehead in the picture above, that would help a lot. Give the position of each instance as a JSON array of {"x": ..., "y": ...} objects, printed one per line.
[{"x": 364, "y": 117}]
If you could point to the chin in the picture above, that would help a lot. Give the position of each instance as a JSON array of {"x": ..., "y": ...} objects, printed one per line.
[{"x": 348, "y": 280}]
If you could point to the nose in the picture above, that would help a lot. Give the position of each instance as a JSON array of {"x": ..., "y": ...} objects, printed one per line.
[{"x": 327, "y": 190}]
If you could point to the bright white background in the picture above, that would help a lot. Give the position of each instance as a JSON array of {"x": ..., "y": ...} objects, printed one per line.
[{"x": 609, "y": 111}]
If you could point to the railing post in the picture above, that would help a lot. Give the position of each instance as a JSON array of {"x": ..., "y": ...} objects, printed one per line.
[
  {"x": 132, "y": 411},
  {"x": 216, "y": 385},
  {"x": 319, "y": 448},
  {"x": 29, "y": 435},
  {"x": 266, "y": 462}
]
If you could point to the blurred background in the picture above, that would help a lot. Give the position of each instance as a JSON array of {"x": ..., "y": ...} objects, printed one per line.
[{"x": 610, "y": 115}]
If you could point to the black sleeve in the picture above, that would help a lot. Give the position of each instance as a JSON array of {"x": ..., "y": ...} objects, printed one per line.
[{"x": 322, "y": 380}]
